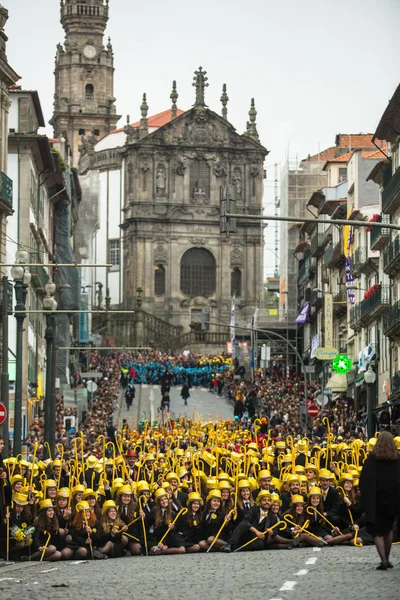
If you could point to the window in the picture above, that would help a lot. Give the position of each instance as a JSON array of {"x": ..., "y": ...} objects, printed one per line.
[
  {"x": 198, "y": 272},
  {"x": 199, "y": 178},
  {"x": 114, "y": 252},
  {"x": 342, "y": 174},
  {"x": 89, "y": 93},
  {"x": 159, "y": 280},
  {"x": 81, "y": 132},
  {"x": 236, "y": 282}
]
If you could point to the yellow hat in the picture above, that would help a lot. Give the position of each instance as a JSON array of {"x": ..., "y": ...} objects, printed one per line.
[
  {"x": 244, "y": 483},
  {"x": 172, "y": 476},
  {"x": 212, "y": 484},
  {"x": 275, "y": 498},
  {"x": 21, "y": 499},
  {"x": 252, "y": 446},
  {"x": 181, "y": 472},
  {"x": 50, "y": 483},
  {"x": 166, "y": 485},
  {"x": 11, "y": 460},
  {"x": 261, "y": 495},
  {"x": 101, "y": 491},
  {"x": 326, "y": 474},
  {"x": 89, "y": 492},
  {"x": 314, "y": 491},
  {"x": 16, "y": 479},
  {"x": 42, "y": 465},
  {"x": 280, "y": 445},
  {"x": 292, "y": 479},
  {"x": 263, "y": 474},
  {"x": 46, "y": 503},
  {"x": 160, "y": 493},
  {"x": 78, "y": 488},
  {"x": 224, "y": 485},
  {"x": 214, "y": 494},
  {"x": 277, "y": 483},
  {"x": 25, "y": 463},
  {"x": 125, "y": 489},
  {"x": 346, "y": 477},
  {"x": 107, "y": 505},
  {"x": 223, "y": 477},
  {"x": 193, "y": 497},
  {"x": 91, "y": 462},
  {"x": 311, "y": 467},
  {"x": 63, "y": 493},
  {"x": 57, "y": 463},
  {"x": 297, "y": 499},
  {"x": 397, "y": 441},
  {"x": 37, "y": 494},
  {"x": 82, "y": 505},
  {"x": 299, "y": 469},
  {"x": 143, "y": 486}
]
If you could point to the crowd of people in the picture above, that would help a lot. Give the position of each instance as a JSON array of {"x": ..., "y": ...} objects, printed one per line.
[{"x": 250, "y": 483}]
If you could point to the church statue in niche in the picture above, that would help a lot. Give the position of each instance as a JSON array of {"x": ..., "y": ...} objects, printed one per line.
[
  {"x": 161, "y": 179},
  {"x": 199, "y": 195},
  {"x": 237, "y": 182}
]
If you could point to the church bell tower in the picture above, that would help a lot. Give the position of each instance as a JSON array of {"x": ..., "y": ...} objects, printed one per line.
[{"x": 84, "y": 103}]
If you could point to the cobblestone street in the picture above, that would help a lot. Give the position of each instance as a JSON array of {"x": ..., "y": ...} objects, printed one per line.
[{"x": 303, "y": 574}]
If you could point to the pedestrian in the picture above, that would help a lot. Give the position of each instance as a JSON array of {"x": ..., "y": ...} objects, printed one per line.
[
  {"x": 165, "y": 401},
  {"x": 380, "y": 494},
  {"x": 185, "y": 393}
]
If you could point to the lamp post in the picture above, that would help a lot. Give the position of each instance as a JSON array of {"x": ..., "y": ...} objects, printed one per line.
[
  {"x": 22, "y": 279},
  {"x": 49, "y": 305},
  {"x": 370, "y": 378}
]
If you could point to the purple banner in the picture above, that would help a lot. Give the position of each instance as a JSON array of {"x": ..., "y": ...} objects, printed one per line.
[
  {"x": 304, "y": 315},
  {"x": 349, "y": 276}
]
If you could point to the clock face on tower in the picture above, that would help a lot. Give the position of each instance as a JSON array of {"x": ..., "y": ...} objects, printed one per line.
[{"x": 89, "y": 51}]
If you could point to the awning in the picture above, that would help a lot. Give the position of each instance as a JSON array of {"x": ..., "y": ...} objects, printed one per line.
[
  {"x": 359, "y": 381},
  {"x": 337, "y": 383}
]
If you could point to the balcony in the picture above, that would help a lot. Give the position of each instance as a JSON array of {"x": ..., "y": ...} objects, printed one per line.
[
  {"x": 328, "y": 254},
  {"x": 39, "y": 276},
  {"x": 391, "y": 194},
  {"x": 395, "y": 384},
  {"x": 355, "y": 317},
  {"x": 391, "y": 258},
  {"x": 376, "y": 304},
  {"x": 391, "y": 321},
  {"x": 359, "y": 260},
  {"x": 340, "y": 302},
  {"x": 6, "y": 189},
  {"x": 379, "y": 236},
  {"x": 317, "y": 245},
  {"x": 304, "y": 270},
  {"x": 316, "y": 298}
]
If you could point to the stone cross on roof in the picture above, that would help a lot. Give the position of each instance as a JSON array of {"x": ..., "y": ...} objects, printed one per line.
[{"x": 200, "y": 80}]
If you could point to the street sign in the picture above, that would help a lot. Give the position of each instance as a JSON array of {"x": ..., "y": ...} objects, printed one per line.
[
  {"x": 309, "y": 368},
  {"x": 91, "y": 386},
  {"x": 3, "y": 413},
  {"x": 313, "y": 411},
  {"x": 326, "y": 353},
  {"x": 322, "y": 399}
]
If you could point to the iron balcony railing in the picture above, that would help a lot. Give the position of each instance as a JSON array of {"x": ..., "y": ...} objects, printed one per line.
[
  {"x": 391, "y": 191},
  {"x": 304, "y": 270},
  {"x": 391, "y": 255},
  {"x": 377, "y": 303},
  {"x": 316, "y": 244},
  {"x": 328, "y": 256},
  {"x": 355, "y": 317},
  {"x": 6, "y": 188},
  {"x": 379, "y": 236},
  {"x": 391, "y": 319}
]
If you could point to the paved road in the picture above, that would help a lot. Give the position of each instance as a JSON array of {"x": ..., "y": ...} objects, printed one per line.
[
  {"x": 145, "y": 406},
  {"x": 301, "y": 574}
]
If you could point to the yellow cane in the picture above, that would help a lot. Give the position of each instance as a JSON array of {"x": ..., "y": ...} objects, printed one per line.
[
  {"x": 89, "y": 538},
  {"x": 311, "y": 509},
  {"x": 35, "y": 447},
  {"x": 141, "y": 498},
  {"x": 220, "y": 529},
  {"x": 183, "y": 511},
  {"x": 8, "y": 532},
  {"x": 60, "y": 449},
  {"x": 282, "y": 523},
  {"x": 45, "y": 546},
  {"x": 288, "y": 519}
]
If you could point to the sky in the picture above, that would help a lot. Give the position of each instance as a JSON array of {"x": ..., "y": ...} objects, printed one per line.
[{"x": 315, "y": 68}]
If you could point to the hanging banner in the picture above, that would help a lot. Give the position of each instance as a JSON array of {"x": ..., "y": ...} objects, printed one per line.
[
  {"x": 348, "y": 239},
  {"x": 328, "y": 299},
  {"x": 314, "y": 345},
  {"x": 233, "y": 333},
  {"x": 304, "y": 315}
]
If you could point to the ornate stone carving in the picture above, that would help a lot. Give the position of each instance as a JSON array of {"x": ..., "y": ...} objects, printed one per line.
[
  {"x": 199, "y": 195},
  {"x": 160, "y": 255},
  {"x": 237, "y": 256},
  {"x": 161, "y": 180},
  {"x": 185, "y": 303},
  {"x": 237, "y": 182},
  {"x": 179, "y": 168},
  {"x": 197, "y": 241}
]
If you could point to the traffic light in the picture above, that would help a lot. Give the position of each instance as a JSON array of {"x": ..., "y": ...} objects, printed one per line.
[{"x": 227, "y": 206}]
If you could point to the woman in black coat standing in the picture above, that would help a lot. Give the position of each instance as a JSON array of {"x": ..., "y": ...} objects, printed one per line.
[{"x": 380, "y": 494}]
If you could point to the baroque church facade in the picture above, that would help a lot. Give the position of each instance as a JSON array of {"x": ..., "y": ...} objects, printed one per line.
[{"x": 151, "y": 191}]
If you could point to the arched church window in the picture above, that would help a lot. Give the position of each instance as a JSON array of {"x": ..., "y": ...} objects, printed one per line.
[
  {"x": 159, "y": 280},
  {"x": 198, "y": 272},
  {"x": 89, "y": 92},
  {"x": 199, "y": 178},
  {"x": 236, "y": 282}
]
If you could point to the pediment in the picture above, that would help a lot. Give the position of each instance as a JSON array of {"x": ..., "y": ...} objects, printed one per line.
[{"x": 198, "y": 128}]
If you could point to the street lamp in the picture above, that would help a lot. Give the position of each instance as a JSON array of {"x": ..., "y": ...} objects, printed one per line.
[
  {"x": 370, "y": 378},
  {"x": 22, "y": 279},
  {"x": 49, "y": 305}
]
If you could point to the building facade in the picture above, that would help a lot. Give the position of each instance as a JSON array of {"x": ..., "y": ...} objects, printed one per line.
[{"x": 159, "y": 183}]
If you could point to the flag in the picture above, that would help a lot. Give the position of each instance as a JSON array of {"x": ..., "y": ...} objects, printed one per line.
[
  {"x": 304, "y": 314},
  {"x": 233, "y": 316}
]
